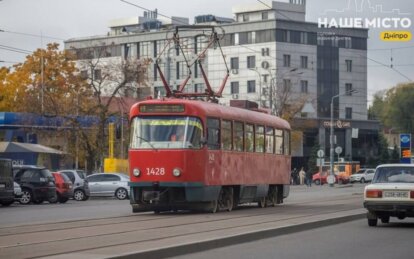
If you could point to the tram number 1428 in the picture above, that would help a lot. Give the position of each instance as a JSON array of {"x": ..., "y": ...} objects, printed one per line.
[{"x": 155, "y": 171}]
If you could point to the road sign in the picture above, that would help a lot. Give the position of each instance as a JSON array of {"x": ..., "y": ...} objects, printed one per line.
[
  {"x": 320, "y": 161},
  {"x": 338, "y": 150},
  {"x": 321, "y": 153},
  {"x": 330, "y": 179}
]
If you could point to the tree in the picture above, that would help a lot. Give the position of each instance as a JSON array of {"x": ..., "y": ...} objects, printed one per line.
[
  {"x": 391, "y": 107},
  {"x": 395, "y": 155},
  {"x": 383, "y": 154},
  {"x": 312, "y": 166},
  {"x": 107, "y": 80}
]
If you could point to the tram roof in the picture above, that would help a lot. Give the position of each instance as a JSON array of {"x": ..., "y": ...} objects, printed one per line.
[{"x": 202, "y": 108}]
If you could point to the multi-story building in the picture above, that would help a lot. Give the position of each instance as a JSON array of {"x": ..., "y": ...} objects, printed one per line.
[{"x": 275, "y": 57}]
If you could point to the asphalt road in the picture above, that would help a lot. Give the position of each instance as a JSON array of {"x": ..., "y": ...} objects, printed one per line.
[
  {"x": 95, "y": 208},
  {"x": 342, "y": 241}
]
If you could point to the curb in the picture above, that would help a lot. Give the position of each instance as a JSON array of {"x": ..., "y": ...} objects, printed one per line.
[{"x": 238, "y": 239}]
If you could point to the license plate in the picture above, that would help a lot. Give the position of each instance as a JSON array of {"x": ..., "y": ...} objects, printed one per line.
[
  {"x": 396, "y": 194},
  {"x": 2, "y": 185}
]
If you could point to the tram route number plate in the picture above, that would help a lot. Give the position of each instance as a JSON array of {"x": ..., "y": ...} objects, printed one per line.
[{"x": 151, "y": 195}]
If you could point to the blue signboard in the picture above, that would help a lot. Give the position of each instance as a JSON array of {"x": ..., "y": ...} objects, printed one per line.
[{"x": 405, "y": 140}]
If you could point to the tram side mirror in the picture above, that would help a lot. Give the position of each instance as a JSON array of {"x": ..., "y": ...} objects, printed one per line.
[{"x": 203, "y": 141}]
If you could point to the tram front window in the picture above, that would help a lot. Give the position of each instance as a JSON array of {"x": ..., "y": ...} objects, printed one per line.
[{"x": 162, "y": 132}]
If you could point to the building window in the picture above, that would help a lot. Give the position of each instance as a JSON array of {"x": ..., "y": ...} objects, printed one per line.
[
  {"x": 265, "y": 15},
  {"x": 97, "y": 75},
  {"x": 251, "y": 86},
  {"x": 251, "y": 37},
  {"x": 348, "y": 65},
  {"x": 304, "y": 86},
  {"x": 198, "y": 88},
  {"x": 348, "y": 113},
  {"x": 84, "y": 74},
  {"x": 303, "y": 37},
  {"x": 245, "y": 17},
  {"x": 304, "y": 62},
  {"x": 251, "y": 62},
  {"x": 234, "y": 87},
  {"x": 348, "y": 89},
  {"x": 286, "y": 60},
  {"x": 286, "y": 85},
  {"x": 144, "y": 49},
  {"x": 234, "y": 63}
]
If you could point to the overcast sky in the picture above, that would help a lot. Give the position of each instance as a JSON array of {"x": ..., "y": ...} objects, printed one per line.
[{"x": 64, "y": 19}]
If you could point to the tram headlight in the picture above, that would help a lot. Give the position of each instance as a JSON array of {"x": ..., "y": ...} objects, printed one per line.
[
  {"x": 176, "y": 172},
  {"x": 136, "y": 172}
]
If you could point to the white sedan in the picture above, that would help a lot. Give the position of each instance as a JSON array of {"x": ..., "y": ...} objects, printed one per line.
[
  {"x": 363, "y": 175},
  {"x": 391, "y": 193}
]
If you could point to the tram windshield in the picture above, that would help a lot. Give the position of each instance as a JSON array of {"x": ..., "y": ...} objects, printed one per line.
[{"x": 166, "y": 132}]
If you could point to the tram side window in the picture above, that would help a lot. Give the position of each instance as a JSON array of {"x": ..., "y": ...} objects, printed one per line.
[
  {"x": 260, "y": 142},
  {"x": 270, "y": 143},
  {"x": 287, "y": 142},
  {"x": 226, "y": 135},
  {"x": 213, "y": 133},
  {"x": 279, "y": 141},
  {"x": 249, "y": 138},
  {"x": 238, "y": 136}
]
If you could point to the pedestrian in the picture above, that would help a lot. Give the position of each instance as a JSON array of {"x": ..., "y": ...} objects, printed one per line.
[
  {"x": 309, "y": 179},
  {"x": 302, "y": 176},
  {"x": 293, "y": 176}
]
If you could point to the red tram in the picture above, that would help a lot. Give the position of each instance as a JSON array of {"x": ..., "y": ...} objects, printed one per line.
[{"x": 225, "y": 156}]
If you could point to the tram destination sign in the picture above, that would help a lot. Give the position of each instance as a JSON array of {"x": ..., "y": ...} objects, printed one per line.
[{"x": 155, "y": 108}]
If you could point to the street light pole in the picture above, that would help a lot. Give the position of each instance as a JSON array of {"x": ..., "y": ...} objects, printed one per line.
[{"x": 331, "y": 137}]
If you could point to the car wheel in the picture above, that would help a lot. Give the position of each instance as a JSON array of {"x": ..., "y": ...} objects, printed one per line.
[
  {"x": 372, "y": 222},
  {"x": 385, "y": 219},
  {"x": 79, "y": 195},
  {"x": 63, "y": 200},
  {"x": 53, "y": 199},
  {"x": 26, "y": 196},
  {"x": 317, "y": 182},
  {"x": 362, "y": 180},
  {"x": 37, "y": 201},
  {"x": 340, "y": 181},
  {"x": 121, "y": 194}
]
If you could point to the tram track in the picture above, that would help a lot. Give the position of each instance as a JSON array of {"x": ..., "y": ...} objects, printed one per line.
[
  {"x": 164, "y": 225},
  {"x": 63, "y": 225}
]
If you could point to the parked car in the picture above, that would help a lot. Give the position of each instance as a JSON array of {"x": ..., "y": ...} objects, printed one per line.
[
  {"x": 6, "y": 182},
  {"x": 109, "y": 184},
  {"x": 363, "y": 175},
  {"x": 391, "y": 193},
  {"x": 318, "y": 178},
  {"x": 64, "y": 187},
  {"x": 81, "y": 190},
  {"x": 37, "y": 184},
  {"x": 17, "y": 191}
]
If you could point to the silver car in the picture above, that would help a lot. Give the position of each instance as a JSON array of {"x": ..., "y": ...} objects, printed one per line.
[
  {"x": 109, "y": 184},
  {"x": 363, "y": 175}
]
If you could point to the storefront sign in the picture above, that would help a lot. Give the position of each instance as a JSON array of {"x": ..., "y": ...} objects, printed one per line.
[{"x": 337, "y": 124}]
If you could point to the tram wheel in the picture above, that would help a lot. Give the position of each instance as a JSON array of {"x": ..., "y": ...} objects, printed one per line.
[
  {"x": 262, "y": 202},
  {"x": 272, "y": 196},
  {"x": 229, "y": 198}
]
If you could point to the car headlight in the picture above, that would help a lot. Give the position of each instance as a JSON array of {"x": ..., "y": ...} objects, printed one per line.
[
  {"x": 136, "y": 172},
  {"x": 176, "y": 172}
]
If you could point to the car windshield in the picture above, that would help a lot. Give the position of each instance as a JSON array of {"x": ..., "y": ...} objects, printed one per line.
[
  {"x": 394, "y": 175},
  {"x": 165, "y": 132},
  {"x": 81, "y": 174}
]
